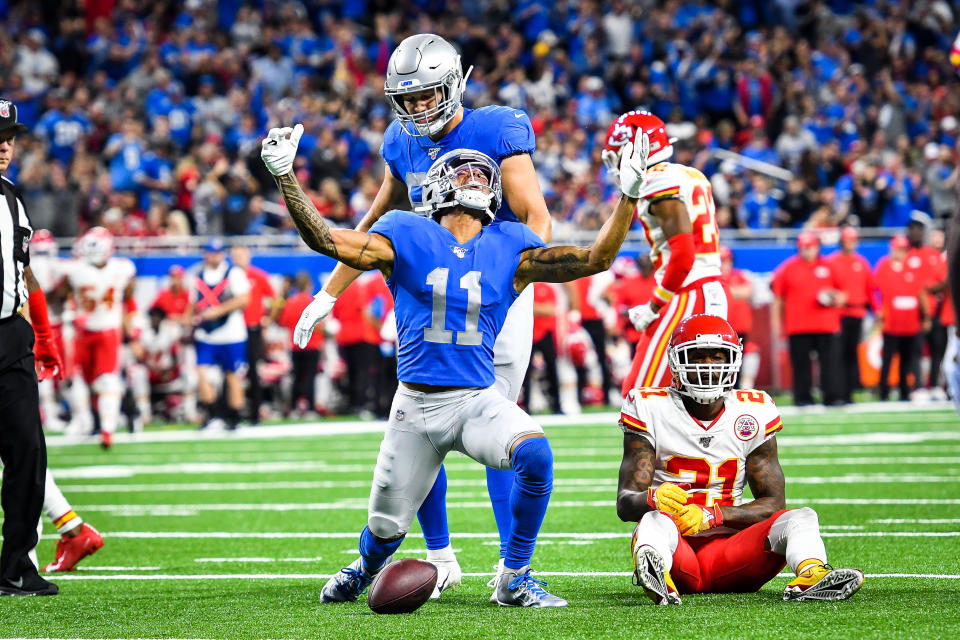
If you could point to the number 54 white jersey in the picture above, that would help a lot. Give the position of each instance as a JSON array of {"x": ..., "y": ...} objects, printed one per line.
[{"x": 710, "y": 457}]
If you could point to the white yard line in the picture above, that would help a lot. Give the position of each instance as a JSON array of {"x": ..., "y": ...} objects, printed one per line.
[
  {"x": 559, "y": 485},
  {"x": 353, "y": 535},
  {"x": 357, "y": 504},
  {"x": 460, "y": 463},
  {"x": 361, "y": 426},
  {"x": 326, "y": 576}
]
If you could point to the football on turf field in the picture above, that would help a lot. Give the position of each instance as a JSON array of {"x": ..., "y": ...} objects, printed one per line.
[{"x": 402, "y": 586}]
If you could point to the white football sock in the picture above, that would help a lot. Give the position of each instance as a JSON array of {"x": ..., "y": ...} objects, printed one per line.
[
  {"x": 108, "y": 405},
  {"x": 56, "y": 507},
  {"x": 658, "y": 531},
  {"x": 441, "y": 555},
  {"x": 796, "y": 535}
]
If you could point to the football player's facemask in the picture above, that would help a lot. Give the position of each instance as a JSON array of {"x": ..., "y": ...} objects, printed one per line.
[
  {"x": 705, "y": 356},
  {"x": 464, "y": 178},
  {"x": 425, "y": 83},
  {"x": 95, "y": 246},
  {"x": 625, "y": 128}
]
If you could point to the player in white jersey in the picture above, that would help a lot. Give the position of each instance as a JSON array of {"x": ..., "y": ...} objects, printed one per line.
[
  {"x": 688, "y": 451},
  {"x": 102, "y": 287},
  {"x": 159, "y": 369},
  {"x": 679, "y": 220}
]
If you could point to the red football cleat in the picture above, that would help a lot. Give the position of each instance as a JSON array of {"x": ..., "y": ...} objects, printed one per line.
[
  {"x": 70, "y": 551},
  {"x": 106, "y": 439}
]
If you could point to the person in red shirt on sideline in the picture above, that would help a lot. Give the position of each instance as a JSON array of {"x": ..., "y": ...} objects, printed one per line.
[
  {"x": 255, "y": 315},
  {"x": 174, "y": 298},
  {"x": 544, "y": 342},
  {"x": 633, "y": 286},
  {"x": 947, "y": 319},
  {"x": 359, "y": 343},
  {"x": 305, "y": 361},
  {"x": 925, "y": 261},
  {"x": 856, "y": 280},
  {"x": 740, "y": 315},
  {"x": 590, "y": 319},
  {"x": 904, "y": 313},
  {"x": 806, "y": 306}
]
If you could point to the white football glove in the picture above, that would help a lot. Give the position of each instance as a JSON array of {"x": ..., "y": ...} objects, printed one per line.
[
  {"x": 642, "y": 316},
  {"x": 279, "y": 149},
  {"x": 313, "y": 313},
  {"x": 633, "y": 165}
]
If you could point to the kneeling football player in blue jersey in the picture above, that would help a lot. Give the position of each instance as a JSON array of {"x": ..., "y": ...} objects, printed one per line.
[{"x": 453, "y": 276}]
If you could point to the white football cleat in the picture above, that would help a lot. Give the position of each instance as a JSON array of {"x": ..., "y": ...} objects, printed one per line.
[{"x": 492, "y": 583}]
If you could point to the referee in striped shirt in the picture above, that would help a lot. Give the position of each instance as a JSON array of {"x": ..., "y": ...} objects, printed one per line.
[{"x": 22, "y": 448}]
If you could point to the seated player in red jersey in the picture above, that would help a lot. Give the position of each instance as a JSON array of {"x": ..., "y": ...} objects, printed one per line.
[{"x": 688, "y": 451}]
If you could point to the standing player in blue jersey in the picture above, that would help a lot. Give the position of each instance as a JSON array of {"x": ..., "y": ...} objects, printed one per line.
[
  {"x": 453, "y": 278},
  {"x": 424, "y": 86}
]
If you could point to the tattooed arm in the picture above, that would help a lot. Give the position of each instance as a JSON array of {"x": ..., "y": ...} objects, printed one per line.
[
  {"x": 356, "y": 249},
  {"x": 563, "y": 264},
  {"x": 636, "y": 476},
  {"x": 767, "y": 485}
]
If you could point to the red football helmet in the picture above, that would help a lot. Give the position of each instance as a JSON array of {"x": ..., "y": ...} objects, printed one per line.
[
  {"x": 624, "y": 129},
  {"x": 95, "y": 246},
  {"x": 704, "y": 382},
  {"x": 42, "y": 243}
]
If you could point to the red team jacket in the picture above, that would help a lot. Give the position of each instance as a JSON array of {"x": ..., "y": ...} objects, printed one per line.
[{"x": 798, "y": 283}]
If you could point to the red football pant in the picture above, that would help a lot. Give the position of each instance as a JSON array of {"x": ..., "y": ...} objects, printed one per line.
[
  {"x": 98, "y": 353},
  {"x": 649, "y": 367},
  {"x": 737, "y": 563}
]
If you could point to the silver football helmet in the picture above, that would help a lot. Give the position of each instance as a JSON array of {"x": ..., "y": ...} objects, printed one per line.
[
  {"x": 420, "y": 63},
  {"x": 465, "y": 178}
]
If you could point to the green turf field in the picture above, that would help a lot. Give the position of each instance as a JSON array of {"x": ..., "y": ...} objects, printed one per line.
[{"x": 232, "y": 537}]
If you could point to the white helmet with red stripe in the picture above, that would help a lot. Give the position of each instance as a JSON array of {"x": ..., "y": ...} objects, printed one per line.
[
  {"x": 704, "y": 382},
  {"x": 624, "y": 129},
  {"x": 95, "y": 246},
  {"x": 43, "y": 244}
]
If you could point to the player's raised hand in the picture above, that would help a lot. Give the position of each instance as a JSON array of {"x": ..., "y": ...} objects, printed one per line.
[
  {"x": 693, "y": 518},
  {"x": 642, "y": 316},
  {"x": 633, "y": 165},
  {"x": 279, "y": 149},
  {"x": 668, "y": 497},
  {"x": 313, "y": 313}
]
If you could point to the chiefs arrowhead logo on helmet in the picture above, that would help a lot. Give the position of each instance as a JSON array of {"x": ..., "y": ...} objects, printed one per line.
[{"x": 624, "y": 129}]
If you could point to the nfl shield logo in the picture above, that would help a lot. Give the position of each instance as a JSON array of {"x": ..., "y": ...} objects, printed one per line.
[
  {"x": 433, "y": 153},
  {"x": 459, "y": 251},
  {"x": 705, "y": 441},
  {"x": 4, "y": 109},
  {"x": 400, "y": 415}
]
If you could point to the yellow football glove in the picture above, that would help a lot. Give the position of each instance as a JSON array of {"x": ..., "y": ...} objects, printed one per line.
[
  {"x": 693, "y": 518},
  {"x": 668, "y": 497}
]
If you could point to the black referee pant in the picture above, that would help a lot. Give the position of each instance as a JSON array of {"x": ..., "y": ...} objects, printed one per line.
[
  {"x": 850, "y": 329},
  {"x": 22, "y": 449},
  {"x": 255, "y": 353},
  {"x": 802, "y": 348},
  {"x": 906, "y": 348}
]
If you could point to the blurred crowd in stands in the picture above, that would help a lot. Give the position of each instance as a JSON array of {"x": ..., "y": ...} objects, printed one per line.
[{"x": 146, "y": 115}]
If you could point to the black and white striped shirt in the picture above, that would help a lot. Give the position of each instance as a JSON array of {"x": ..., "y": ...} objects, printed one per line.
[{"x": 15, "y": 233}]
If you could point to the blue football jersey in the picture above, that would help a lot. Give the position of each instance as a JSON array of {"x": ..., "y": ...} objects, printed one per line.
[
  {"x": 451, "y": 299},
  {"x": 496, "y": 131}
]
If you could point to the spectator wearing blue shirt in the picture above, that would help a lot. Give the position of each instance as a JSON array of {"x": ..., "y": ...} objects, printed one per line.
[
  {"x": 62, "y": 131},
  {"x": 125, "y": 151},
  {"x": 759, "y": 208}
]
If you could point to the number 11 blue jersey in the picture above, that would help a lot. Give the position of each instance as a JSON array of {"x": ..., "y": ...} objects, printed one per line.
[{"x": 451, "y": 299}]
